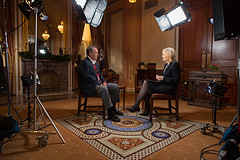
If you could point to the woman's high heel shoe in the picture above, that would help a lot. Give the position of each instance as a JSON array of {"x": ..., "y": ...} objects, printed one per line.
[{"x": 133, "y": 109}]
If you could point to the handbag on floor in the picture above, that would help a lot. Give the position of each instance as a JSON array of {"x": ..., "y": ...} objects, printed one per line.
[
  {"x": 230, "y": 150},
  {"x": 8, "y": 126}
]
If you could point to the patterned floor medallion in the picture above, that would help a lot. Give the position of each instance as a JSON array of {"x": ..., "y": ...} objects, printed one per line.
[
  {"x": 128, "y": 124},
  {"x": 135, "y": 137}
]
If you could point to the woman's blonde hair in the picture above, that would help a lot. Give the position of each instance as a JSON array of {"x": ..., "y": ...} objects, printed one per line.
[{"x": 170, "y": 52}]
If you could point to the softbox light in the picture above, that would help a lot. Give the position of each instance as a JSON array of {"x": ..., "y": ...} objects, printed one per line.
[
  {"x": 28, "y": 6},
  {"x": 91, "y": 11},
  {"x": 25, "y": 9},
  {"x": 174, "y": 17}
]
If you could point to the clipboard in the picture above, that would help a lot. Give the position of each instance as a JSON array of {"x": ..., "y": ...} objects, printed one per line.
[{"x": 149, "y": 80}]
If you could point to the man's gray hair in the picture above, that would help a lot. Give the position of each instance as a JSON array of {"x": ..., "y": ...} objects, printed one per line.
[{"x": 90, "y": 49}]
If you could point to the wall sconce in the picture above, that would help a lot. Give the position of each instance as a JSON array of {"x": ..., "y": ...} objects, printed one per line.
[
  {"x": 45, "y": 35},
  {"x": 132, "y": 1},
  {"x": 60, "y": 27}
]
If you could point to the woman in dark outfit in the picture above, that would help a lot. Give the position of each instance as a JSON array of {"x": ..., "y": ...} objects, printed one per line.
[{"x": 167, "y": 83}]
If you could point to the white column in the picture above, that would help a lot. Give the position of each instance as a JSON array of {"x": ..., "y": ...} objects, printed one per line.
[
  {"x": 20, "y": 46},
  {"x": 16, "y": 49}
]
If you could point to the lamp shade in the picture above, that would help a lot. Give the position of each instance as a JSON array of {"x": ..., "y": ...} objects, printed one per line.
[
  {"x": 132, "y": 1},
  {"x": 60, "y": 27},
  {"x": 45, "y": 35}
]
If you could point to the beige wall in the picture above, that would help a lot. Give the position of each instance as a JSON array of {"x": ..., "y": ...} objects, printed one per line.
[
  {"x": 116, "y": 38},
  {"x": 143, "y": 40},
  {"x": 153, "y": 39}
]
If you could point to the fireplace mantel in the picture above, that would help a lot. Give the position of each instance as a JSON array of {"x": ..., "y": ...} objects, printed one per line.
[{"x": 61, "y": 70}]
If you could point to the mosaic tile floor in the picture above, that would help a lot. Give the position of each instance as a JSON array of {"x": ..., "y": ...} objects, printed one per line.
[{"x": 135, "y": 137}]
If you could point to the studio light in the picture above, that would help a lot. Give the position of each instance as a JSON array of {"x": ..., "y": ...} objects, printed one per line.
[
  {"x": 81, "y": 2},
  {"x": 28, "y": 6},
  {"x": 43, "y": 17},
  {"x": 42, "y": 51},
  {"x": 91, "y": 11},
  {"x": 25, "y": 8},
  {"x": 174, "y": 17}
]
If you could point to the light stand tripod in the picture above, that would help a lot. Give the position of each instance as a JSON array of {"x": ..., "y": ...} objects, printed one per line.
[
  {"x": 36, "y": 122},
  {"x": 27, "y": 82},
  {"x": 215, "y": 127},
  {"x": 229, "y": 136},
  {"x": 217, "y": 91}
]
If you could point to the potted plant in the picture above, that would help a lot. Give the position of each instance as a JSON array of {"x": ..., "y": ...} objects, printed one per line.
[
  {"x": 213, "y": 67},
  {"x": 141, "y": 65}
]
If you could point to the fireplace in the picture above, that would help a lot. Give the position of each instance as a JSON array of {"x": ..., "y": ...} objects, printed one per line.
[
  {"x": 53, "y": 76},
  {"x": 49, "y": 82}
]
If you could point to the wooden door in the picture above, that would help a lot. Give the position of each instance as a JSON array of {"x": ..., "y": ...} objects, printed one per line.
[
  {"x": 198, "y": 48},
  {"x": 225, "y": 54},
  {"x": 194, "y": 37}
]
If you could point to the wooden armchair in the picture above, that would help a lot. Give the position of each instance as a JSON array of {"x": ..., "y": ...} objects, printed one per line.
[
  {"x": 159, "y": 96},
  {"x": 115, "y": 79},
  {"x": 84, "y": 104}
]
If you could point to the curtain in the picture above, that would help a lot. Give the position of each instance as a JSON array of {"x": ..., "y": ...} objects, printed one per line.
[
  {"x": 9, "y": 15},
  {"x": 77, "y": 32},
  {"x": 1, "y": 22},
  {"x": 98, "y": 41},
  {"x": 96, "y": 36}
]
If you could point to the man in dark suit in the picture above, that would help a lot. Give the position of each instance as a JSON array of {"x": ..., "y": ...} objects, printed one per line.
[{"x": 92, "y": 82}]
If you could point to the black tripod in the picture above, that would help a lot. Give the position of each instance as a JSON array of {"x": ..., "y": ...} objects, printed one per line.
[
  {"x": 29, "y": 119},
  {"x": 215, "y": 127},
  {"x": 217, "y": 91}
]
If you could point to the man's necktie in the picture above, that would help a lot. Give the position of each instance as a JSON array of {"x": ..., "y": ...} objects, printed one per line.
[{"x": 97, "y": 72}]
